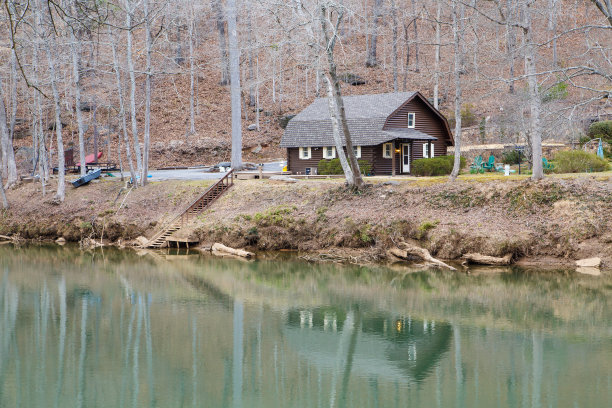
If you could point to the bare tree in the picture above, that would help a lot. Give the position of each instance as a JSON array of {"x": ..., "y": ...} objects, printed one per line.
[
  {"x": 192, "y": 70},
  {"x": 534, "y": 95},
  {"x": 234, "y": 54},
  {"x": 436, "y": 90},
  {"x": 415, "y": 14},
  {"x": 371, "y": 58},
  {"x": 394, "y": 28},
  {"x": 147, "y": 129},
  {"x": 75, "y": 47},
  {"x": 217, "y": 6},
  {"x": 49, "y": 44},
  {"x": 605, "y": 6},
  {"x": 126, "y": 138},
  {"x": 8, "y": 156},
  {"x": 130, "y": 64},
  {"x": 329, "y": 29},
  {"x": 458, "y": 58}
]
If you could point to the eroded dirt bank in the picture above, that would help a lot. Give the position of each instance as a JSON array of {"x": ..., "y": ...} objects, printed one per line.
[{"x": 557, "y": 220}]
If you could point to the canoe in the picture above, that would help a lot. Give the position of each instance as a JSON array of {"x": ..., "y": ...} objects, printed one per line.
[
  {"x": 90, "y": 158},
  {"x": 87, "y": 178}
]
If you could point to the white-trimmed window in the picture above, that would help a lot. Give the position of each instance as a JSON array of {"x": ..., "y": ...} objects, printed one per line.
[
  {"x": 357, "y": 150},
  {"x": 431, "y": 150},
  {"x": 329, "y": 152},
  {"x": 387, "y": 150},
  {"x": 411, "y": 119},
  {"x": 425, "y": 150},
  {"x": 305, "y": 153}
]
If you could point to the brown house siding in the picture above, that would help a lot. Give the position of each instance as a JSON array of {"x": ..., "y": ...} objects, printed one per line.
[
  {"x": 297, "y": 165},
  {"x": 426, "y": 121},
  {"x": 373, "y": 154}
]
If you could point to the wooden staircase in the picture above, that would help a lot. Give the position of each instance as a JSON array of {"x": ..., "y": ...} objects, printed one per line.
[{"x": 196, "y": 208}]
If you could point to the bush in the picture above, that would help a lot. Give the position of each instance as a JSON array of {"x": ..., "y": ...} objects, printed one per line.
[
  {"x": 437, "y": 166},
  {"x": 511, "y": 157},
  {"x": 578, "y": 161},
  {"x": 333, "y": 166},
  {"x": 602, "y": 130}
]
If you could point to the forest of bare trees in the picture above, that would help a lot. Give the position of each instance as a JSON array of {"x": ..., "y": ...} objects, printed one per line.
[{"x": 122, "y": 76}]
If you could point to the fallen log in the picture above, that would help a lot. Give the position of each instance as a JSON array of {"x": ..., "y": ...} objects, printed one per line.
[
  {"x": 237, "y": 252},
  {"x": 408, "y": 250},
  {"x": 480, "y": 259}
]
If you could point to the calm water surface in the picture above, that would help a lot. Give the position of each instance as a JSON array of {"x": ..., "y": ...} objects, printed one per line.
[{"x": 114, "y": 329}]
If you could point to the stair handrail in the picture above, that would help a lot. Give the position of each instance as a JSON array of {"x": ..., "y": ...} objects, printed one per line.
[{"x": 230, "y": 181}]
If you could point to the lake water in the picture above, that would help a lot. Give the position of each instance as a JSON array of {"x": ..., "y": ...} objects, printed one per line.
[{"x": 114, "y": 329}]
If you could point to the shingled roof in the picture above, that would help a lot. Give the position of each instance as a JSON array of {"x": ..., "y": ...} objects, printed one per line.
[{"x": 366, "y": 116}]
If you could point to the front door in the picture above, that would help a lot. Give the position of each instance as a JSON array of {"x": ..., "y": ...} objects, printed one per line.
[{"x": 405, "y": 158}]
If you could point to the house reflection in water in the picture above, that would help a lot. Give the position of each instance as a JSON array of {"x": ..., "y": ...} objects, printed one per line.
[{"x": 380, "y": 345}]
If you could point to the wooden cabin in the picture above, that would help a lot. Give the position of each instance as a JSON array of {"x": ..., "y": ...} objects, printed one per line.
[{"x": 388, "y": 130}]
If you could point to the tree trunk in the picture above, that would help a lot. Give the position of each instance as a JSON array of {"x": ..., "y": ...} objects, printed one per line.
[
  {"x": 7, "y": 146},
  {"x": 43, "y": 167},
  {"x": 605, "y": 6},
  {"x": 436, "y": 90},
  {"x": 371, "y": 59},
  {"x": 534, "y": 95},
  {"x": 330, "y": 41},
  {"x": 250, "y": 55},
  {"x": 458, "y": 38},
  {"x": 220, "y": 22},
  {"x": 416, "y": 37},
  {"x": 192, "y": 69},
  {"x": 511, "y": 42},
  {"x": 126, "y": 138},
  {"x": 333, "y": 113},
  {"x": 5, "y": 203},
  {"x": 49, "y": 44},
  {"x": 407, "y": 64},
  {"x": 147, "y": 128},
  {"x": 234, "y": 54},
  {"x": 75, "y": 47},
  {"x": 130, "y": 64},
  {"x": 394, "y": 44}
]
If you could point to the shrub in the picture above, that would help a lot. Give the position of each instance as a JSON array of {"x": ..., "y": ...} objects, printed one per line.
[
  {"x": 578, "y": 161},
  {"x": 603, "y": 130},
  {"x": 437, "y": 166},
  {"x": 511, "y": 157},
  {"x": 333, "y": 166}
]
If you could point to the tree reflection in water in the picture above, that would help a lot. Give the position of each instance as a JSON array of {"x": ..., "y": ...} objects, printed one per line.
[{"x": 89, "y": 330}]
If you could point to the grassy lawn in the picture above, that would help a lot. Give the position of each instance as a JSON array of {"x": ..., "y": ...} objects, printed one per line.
[{"x": 484, "y": 177}]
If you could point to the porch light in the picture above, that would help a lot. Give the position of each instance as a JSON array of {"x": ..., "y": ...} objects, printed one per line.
[{"x": 397, "y": 150}]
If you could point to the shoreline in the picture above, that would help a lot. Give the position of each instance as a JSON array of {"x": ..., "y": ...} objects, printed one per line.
[{"x": 548, "y": 224}]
